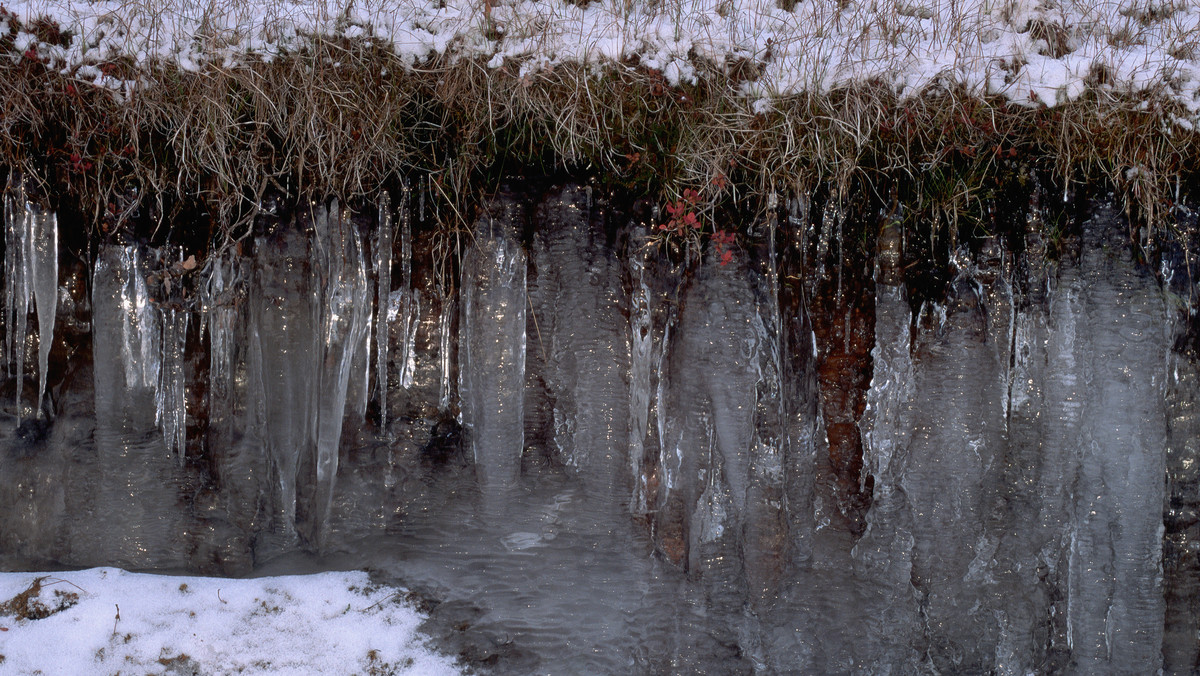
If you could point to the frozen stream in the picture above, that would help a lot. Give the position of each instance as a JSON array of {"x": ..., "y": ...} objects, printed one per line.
[{"x": 841, "y": 452}]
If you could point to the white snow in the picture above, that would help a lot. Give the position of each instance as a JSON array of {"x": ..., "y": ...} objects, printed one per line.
[
  {"x": 327, "y": 623},
  {"x": 1034, "y": 52}
]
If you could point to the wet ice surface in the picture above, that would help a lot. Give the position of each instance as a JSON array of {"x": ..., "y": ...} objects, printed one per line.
[{"x": 551, "y": 586}]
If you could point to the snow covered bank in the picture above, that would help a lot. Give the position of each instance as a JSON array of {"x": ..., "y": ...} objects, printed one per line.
[
  {"x": 1028, "y": 51},
  {"x": 106, "y": 620}
]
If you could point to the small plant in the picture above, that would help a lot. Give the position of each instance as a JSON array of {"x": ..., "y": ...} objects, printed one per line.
[
  {"x": 723, "y": 243},
  {"x": 683, "y": 215}
]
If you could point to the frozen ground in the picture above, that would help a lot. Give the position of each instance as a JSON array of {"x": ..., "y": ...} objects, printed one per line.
[
  {"x": 1032, "y": 52},
  {"x": 106, "y": 620}
]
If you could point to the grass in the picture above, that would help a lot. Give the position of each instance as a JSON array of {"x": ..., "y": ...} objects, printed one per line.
[{"x": 344, "y": 114}]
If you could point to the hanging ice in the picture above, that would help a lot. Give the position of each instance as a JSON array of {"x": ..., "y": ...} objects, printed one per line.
[
  {"x": 221, "y": 282},
  {"x": 641, "y": 371},
  {"x": 134, "y": 476},
  {"x": 581, "y": 329},
  {"x": 445, "y": 319},
  {"x": 383, "y": 278},
  {"x": 1116, "y": 601},
  {"x": 409, "y": 303},
  {"x": 31, "y": 276},
  {"x": 170, "y": 403},
  {"x": 342, "y": 309},
  {"x": 282, "y": 363},
  {"x": 492, "y": 351},
  {"x": 118, "y": 275}
]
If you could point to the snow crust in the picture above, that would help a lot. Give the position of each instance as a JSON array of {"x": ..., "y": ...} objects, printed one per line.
[
  {"x": 121, "y": 622},
  {"x": 1034, "y": 52}
]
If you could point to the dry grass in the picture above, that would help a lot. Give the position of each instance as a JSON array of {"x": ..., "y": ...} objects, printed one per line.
[{"x": 345, "y": 116}]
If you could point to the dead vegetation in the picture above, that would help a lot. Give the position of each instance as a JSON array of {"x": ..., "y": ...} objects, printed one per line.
[
  {"x": 344, "y": 116},
  {"x": 29, "y": 604}
]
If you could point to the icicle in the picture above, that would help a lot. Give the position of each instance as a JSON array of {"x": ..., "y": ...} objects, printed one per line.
[
  {"x": 16, "y": 302},
  {"x": 44, "y": 261},
  {"x": 409, "y": 308},
  {"x": 118, "y": 273},
  {"x": 383, "y": 275},
  {"x": 641, "y": 367},
  {"x": 282, "y": 363},
  {"x": 170, "y": 403},
  {"x": 491, "y": 353},
  {"x": 344, "y": 314},
  {"x": 218, "y": 297},
  {"x": 139, "y": 332},
  {"x": 31, "y": 275},
  {"x": 444, "y": 320}
]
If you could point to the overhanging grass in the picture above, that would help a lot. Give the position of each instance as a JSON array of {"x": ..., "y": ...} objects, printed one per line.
[{"x": 344, "y": 116}]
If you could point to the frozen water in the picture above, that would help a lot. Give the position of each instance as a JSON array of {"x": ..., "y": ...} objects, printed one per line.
[
  {"x": 31, "y": 275},
  {"x": 1116, "y": 602},
  {"x": 282, "y": 363},
  {"x": 581, "y": 331},
  {"x": 492, "y": 346},
  {"x": 170, "y": 402},
  {"x": 342, "y": 313},
  {"x": 383, "y": 281},
  {"x": 1016, "y": 439}
]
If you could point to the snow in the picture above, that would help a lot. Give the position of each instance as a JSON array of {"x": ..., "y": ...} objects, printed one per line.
[
  {"x": 1034, "y": 52},
  {"x": 328, "y": 623}
]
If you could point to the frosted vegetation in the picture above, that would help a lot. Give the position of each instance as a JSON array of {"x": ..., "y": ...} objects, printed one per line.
[
  {"x": 698, "y": 103},
  {"x": 1031, "y": 52}
]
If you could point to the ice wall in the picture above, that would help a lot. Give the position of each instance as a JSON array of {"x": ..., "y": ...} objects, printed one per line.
[{"x": 1022, "y": 427}]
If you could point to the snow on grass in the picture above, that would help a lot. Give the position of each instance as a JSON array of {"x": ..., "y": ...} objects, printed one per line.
[
  {"x": 1034, "y": 52},
  {"x": 106, "y": 620}
]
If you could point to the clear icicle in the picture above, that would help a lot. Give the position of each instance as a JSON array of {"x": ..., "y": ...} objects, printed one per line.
[
  {"x": 409, "y": 307},
  {"x": 44, "y": 259},
  {"x": 223, "y": 279},
  {"x": 118, "y": 275},
  {"x": 640, "y": 377},
  {"x": 282, "y": 363},
  {"x": 140, "y": 351},
  {"x": 344, "y": 314},
  {"x": 491, "y": 353},
  {"x": 383, "y": 275},
  {"x": 170, "y": 402},
  {"x": 31, "y": 276},
  {"x": 16, "y": 301},
  {"x": 444, "y": 319}
]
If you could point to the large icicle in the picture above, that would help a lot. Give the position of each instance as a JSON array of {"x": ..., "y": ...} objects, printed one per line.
[
  {"x": 1116, "y": 600},
  {"x": 582, "y": 334},
  {"x": 884, "y": 554},
  {"x": 223, "y": 278},
  {"x": 31, "y": 276},
  {"x": 383, "y": 278},
  {"x": 491, "y": 350},
  {"x": 445, "y": 364},
  {"x": 170, "y": 403},
  {"x": 409, "y": 302},
  {"x": 282, "y": 363},
  {"x": 344, "y": 314},
  {"x": 134, "y": 477},
  {"x": 641, "y": 372}
]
